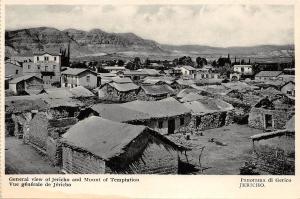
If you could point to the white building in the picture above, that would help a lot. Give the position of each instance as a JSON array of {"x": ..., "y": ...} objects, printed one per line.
[
  {"x": 188, "y": 71},
  {"x": 243, "y": 69}
]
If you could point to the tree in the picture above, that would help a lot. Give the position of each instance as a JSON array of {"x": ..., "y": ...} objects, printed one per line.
[
  {"x": 137, "y": 63},
  {"x": 78, "y": 65},
  {"x": 185, "y": 61},
  {"x": 201, "y": 62},
  {"x": 147, "y": 63},
  {"x": 120, "y": 62}
]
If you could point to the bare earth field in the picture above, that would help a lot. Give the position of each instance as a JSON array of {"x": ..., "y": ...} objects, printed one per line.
[
  {"x": 21, "y": 158},
  {"x": 217, "y": 159}
]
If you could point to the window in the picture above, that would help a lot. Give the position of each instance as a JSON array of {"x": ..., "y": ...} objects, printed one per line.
[
  {"x": 289, "y": 92},
  {"x": 181, "y": 121},
  {"x": 46, "y": 68},
  {"x": 50, "y": 76},
  {"x": 38, "y": 58},
  {"x": 160, "y": 124},
  {"x": 54, "y": 67},
  {"x": 39, "y": 67},
  {"x": 17, "y": 71},
  {"x": 29, "y": 67},
  {"x": 54, "y": 58},
  {"x": 88, "y": 78},
  {"x": 46, "y": 58}
]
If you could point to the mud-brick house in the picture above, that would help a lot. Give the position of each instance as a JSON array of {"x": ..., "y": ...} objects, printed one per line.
[
  {"x": 47, "y": 127},
  {"x": 289, "y": 89},
  {"x": 155, "y": 92},
  {"x": 118, "y": 92},
  {"x": 22, "y": 84},
  {"x": 270, "y": 114},
  {"x": 73, "y": 77},
  {"x": 96, "y": 145},
  {"x": 19, "y": 111},
  {"x": 12, "y": 71},
  {"x": 274, "y": 152},
  {"x": 165, "y": 116},
  {"x": 209, "y": 113}
]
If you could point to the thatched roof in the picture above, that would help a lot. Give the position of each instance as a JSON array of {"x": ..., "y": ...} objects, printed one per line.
[
  {"x": 115, "y": 112},
  {"x": 157, "y": 109},
  {"x": 185, "y": 82},
  {"x": 18, "y": 104},
  {"x": 106, "y": 139},
  {"x": 268, "y": 74},
  {"x": 186, "y": 91},
  {"x": 80, "y": 91},
  {"x": 124, "y": 87},
  {"x": 239, "y": 86},
  {"x": 207, "y": 105},
  {"x": 59, "y": 93},
  {"x": 121, "y": 80},
  {"x": 191, "y": 97},
  {"x": 155, "y": 90},
  {"x": 23, "y": 78}
]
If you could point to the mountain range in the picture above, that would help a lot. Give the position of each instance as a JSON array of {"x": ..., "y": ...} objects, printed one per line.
[{"x": 97, "y": 42}]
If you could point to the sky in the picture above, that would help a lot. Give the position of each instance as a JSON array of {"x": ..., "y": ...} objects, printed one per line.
[{"x": 212, "y": 25}]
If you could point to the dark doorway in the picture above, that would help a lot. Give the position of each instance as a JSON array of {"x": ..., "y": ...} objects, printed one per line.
[
  {"x": 268, "y": 121},
  {"x": 171, "y": 126}
]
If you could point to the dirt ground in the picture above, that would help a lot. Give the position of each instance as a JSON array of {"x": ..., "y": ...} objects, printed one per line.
[
  {"x": 21, "y": 158},
  {"x": 218, "y": 159}
]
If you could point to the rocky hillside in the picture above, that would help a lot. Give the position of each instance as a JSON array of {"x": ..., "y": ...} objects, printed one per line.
[
  {"x": 97, "y": 42},
  {"x": 82, "y": 42}
]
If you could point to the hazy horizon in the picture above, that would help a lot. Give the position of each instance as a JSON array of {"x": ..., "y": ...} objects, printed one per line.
[{"x": 219, "y": 25}]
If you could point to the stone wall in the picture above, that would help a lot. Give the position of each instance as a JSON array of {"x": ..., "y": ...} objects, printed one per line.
[
  {"x": 144, "y": 97},
  {"x": 279, "y": 118},
  {"x": 211, "y": 120},
  {"x": 111, "y": 94},
  {"x": 275, "y": 155}
]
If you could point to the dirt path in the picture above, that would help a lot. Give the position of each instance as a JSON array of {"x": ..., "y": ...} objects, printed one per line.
[
  {"x": 222, "y": 160},
  {"x": 21, "y": 158}
]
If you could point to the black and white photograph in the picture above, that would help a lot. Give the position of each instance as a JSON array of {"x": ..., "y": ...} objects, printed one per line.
[{"x": 165, "y": 89}]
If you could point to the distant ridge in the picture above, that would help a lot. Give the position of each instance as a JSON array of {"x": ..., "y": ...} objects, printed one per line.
[{"x": 97, "y": 41}]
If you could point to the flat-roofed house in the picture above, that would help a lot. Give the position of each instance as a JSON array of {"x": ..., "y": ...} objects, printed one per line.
[
  {"x": 97, "y": 145},
  {"x": 267, "y": 75},
  {"x": 74, "y": 77}
]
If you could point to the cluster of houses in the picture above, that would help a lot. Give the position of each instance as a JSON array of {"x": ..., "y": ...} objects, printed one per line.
[{"x": 116, "y": 122}]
